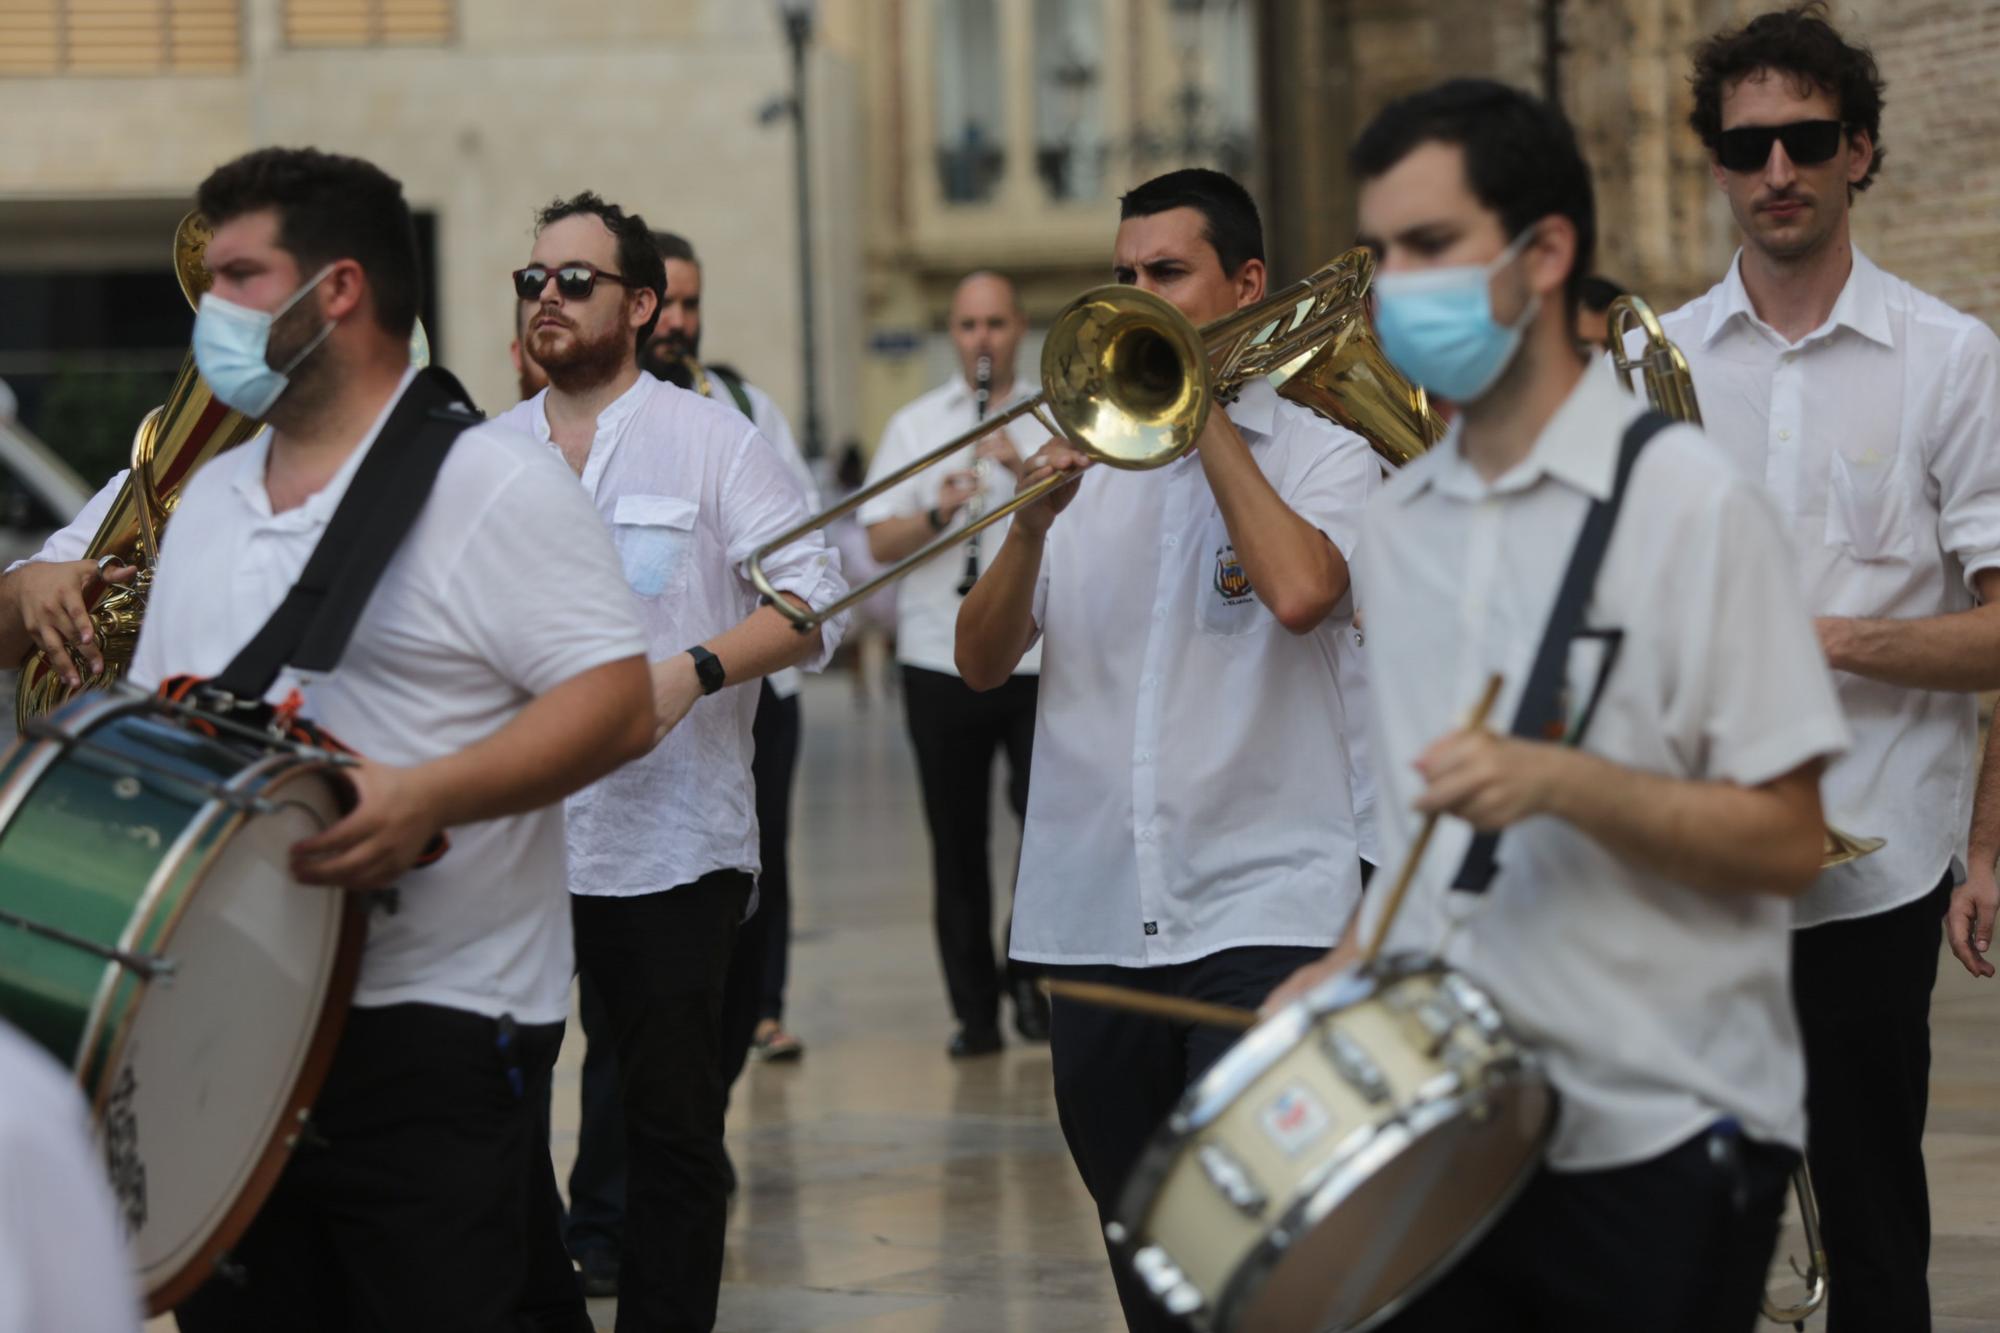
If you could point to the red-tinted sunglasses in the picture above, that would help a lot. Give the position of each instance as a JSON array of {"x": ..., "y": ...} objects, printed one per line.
[{"x": 574, "y": 282}]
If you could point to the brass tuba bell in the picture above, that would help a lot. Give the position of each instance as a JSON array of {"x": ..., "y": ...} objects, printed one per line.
[{"x": 174, "y": 440}]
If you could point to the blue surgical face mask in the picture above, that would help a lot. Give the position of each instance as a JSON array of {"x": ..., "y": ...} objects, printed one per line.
[
  {"x": 1437, "y": 325},
  {"x": 231, "y": 343}
]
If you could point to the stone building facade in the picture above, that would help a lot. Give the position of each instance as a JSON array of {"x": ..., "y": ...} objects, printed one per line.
[{"x": 1620, "y": 68}]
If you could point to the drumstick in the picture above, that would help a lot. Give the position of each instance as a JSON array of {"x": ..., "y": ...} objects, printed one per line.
[
  {"x": 1410, "y": 862},
  {"x": 1146, "y": 1002}
]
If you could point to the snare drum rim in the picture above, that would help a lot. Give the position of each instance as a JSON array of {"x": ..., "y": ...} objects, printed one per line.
[
  {"x": 1336, "y": 1182},
  {"x": 1241, "y": 1065}
]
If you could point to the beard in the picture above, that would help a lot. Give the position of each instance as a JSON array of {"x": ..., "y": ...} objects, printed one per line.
[
  {"x": 309, "y": 384},
  {"x": 581, "y": 360}
]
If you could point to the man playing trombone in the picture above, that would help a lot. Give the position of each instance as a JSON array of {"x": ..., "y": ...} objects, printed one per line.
[
  {"x": 1870, "y": 410},
  {"x": 1190, "y": 827}
]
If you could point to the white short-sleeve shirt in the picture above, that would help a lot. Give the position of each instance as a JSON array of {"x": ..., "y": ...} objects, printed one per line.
[
  {"x": 1191, "y": 789},
  {"x": 505, "y": 587},
  {"x": 689, "y": 490},
  {"x": 1659, "y": 1008},
  {"x": 927, "y": 598},
  {"x": 71, "y": 541},
  {"x": 63, "y": 1261},
  {"x": 1878, "y": 437}
]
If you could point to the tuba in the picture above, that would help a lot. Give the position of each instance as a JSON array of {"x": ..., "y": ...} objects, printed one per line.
[
  {"x": 1130, "y": 382},
  {"x": 1670, "y": 389},
  {"x": 171, "y": 444},
  {"x": 174, "y": 440}
]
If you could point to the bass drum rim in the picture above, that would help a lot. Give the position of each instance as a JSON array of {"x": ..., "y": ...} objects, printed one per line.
[{"x": 270, "y": 1160}]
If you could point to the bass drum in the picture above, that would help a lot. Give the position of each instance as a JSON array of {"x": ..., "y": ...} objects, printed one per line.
[
  {"x": 153, "y": 939},
  {"x": 1339, "y": 1158}
]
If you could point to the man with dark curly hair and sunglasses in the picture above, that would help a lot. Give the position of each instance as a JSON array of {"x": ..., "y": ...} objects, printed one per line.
[
  {"x": 1871, "y": 411},
  {"x": 663, "y": 853}
]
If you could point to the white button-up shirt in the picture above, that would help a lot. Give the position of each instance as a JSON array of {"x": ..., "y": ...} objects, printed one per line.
[
  {"x": 1659, "y": 1008},
  {"x": 689, "y": 489},
  {"x": 1878, "y": 434},
  {"x": 927, "y": 599},
  {"x": 1190, "y": 790},
  {"x": 505, "y": 587}
]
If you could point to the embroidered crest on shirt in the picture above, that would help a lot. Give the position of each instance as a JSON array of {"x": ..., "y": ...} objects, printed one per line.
[{"x": 1231, "y": 583}]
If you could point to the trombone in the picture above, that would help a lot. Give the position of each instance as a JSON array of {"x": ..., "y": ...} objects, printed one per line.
[
  {"x": 1130, "y": 382},
  {"x": 1670, "y": 389}
]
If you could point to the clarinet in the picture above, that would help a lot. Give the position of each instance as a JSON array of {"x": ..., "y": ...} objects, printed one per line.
[{"x": 982, "y": 392}]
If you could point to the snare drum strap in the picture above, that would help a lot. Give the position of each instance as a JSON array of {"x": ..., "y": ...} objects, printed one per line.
[
  {"x": 310, "y": 628},
  {"x": 1541, "y": 713}
]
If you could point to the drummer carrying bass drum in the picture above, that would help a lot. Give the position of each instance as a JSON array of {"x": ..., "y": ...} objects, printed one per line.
[{"x": 1636, "y": 929}]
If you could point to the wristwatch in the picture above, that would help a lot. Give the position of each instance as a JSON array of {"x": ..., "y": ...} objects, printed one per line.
[{"x": 707, "y": 669}]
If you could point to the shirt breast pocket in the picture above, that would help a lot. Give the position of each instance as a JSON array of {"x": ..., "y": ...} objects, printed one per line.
[
  {"x": 654, "y": 535},
  {"x": 1225, "y": 603},
  {"x": 1867, "y": 507}
]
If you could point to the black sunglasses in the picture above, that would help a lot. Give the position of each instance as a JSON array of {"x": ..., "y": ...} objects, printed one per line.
[
  {"x": 574, "y": 282},
  {"x": 1807, "y": 143}
]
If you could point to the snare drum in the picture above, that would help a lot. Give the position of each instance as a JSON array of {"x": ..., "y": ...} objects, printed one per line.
[
  {"x": 152, "y": 937},
  {"x": 1339, "y": 1158}
]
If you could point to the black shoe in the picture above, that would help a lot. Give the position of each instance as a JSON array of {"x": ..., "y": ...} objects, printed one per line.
[
  {"x": 972, "y": 1042},
  {"x": 600, "y": 1274},
  {"x": 1031, "y": 1010}
]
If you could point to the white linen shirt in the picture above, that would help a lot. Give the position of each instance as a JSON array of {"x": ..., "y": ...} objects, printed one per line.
[
  {"x": 927, "y": 598},
  {"x": 63, "y": 1261},
  {"x": 1190, "y": 786},
  {"x": 504, "y": 588},
  {"x": 72, "y": 541},
  {"x": 688, "y": 489},
  {"x": 771, "y": 424},
  {"x": 1878, "y": 434},
  {"x": 1659, "y": 1008}
]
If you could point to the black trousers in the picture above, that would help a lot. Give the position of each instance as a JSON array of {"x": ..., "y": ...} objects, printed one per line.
[
  {"x": 1863, "y": 989},
  {"x": 658, "y": 963},
  {"x": 596, "y": 1219},
  {"x": 1118, "y": 1075},
  {"x": 1677, "y": 1244},
  {"x": 759, "y": 965},
  {"x": 955, "y": 731},
  {"x": 422, "y": 1196}
]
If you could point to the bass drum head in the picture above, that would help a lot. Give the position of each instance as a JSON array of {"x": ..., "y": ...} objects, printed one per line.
[
  {"x": 1426, "y": 1193},
  {"x": 198, "y": 1114}
]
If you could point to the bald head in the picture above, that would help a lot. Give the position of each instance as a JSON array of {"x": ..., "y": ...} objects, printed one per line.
[{"x": 987, "y": 320}]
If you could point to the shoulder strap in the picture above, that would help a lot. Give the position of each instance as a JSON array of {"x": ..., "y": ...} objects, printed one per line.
[
  {"x": 1539, "y": 716},
  {"x": 734, "y": 383},
  {"x": 311, "y": 626}
]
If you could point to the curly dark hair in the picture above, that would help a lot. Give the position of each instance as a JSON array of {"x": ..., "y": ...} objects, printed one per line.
[
  {"x": 639, "y": 259},
  {"x": 1801, "y": 44},
  {"x": 329, "y": 207}
]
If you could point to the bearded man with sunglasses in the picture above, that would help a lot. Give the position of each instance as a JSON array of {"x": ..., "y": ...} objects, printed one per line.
[
  {"x": 663, "y": 853},
  {"x": 1870, "y": 410}
]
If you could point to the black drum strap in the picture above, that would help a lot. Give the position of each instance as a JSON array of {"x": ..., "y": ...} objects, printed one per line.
[
  {"x": 311, "y": 627},
  {"x": 1540, "y": 715}
]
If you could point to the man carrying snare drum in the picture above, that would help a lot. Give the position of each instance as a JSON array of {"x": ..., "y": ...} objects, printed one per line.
[{"x": 1636, "y": 929}]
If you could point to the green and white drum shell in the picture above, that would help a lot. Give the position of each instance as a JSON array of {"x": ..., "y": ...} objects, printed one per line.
[
  {"x": 126, "y": 828},
  {"x": 1339, "y": 1158}
]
